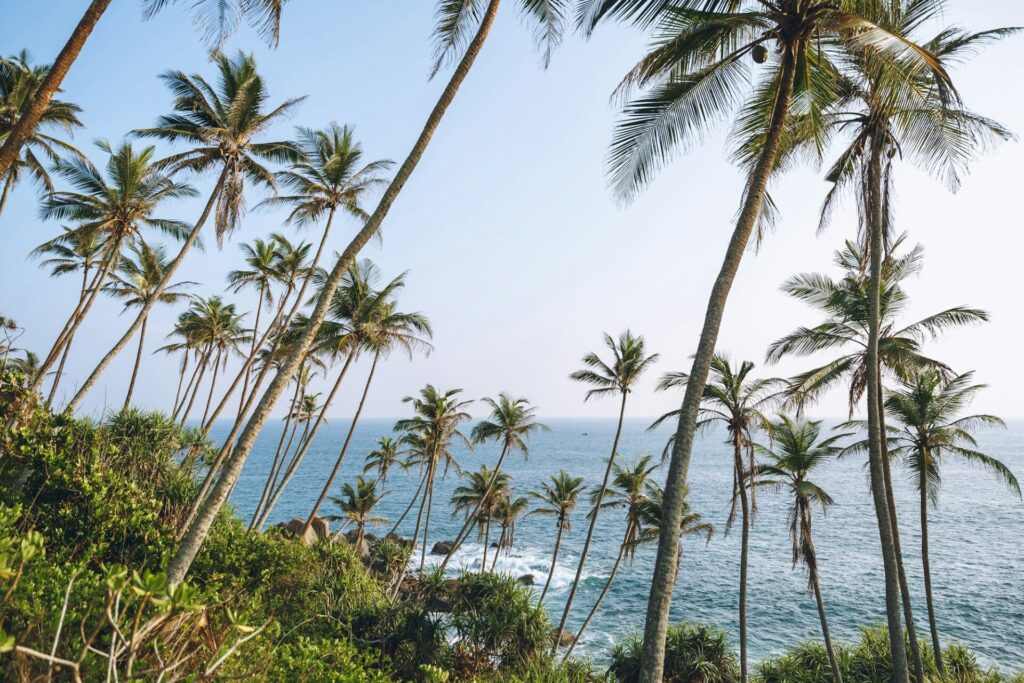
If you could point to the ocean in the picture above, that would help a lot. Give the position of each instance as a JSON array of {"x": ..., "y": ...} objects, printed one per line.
[{"x": 977, "y": 552}]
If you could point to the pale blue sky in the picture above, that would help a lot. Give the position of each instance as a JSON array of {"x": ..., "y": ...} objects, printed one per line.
[{"x": 516, "y": 250}]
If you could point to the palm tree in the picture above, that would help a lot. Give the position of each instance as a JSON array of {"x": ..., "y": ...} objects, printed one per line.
[
  {"x": 73, "y": 251},
  {"x": 135, "y": 282},
  {"x": 511, "y": 423},
  {"x": 693, "y": 76},
  {"x": 262, "y": 258},
  {"x": 627, "y": 491},
  {"x": 649, "y": 515},
  {"x": 456, "y": 20},
  {"x": 430, "y": 433},
  {"x": 19, "y": 82},
  {"x": 382, "y": 459},
  {"x": 736, "y": 401},
  {"x": 357, "y": 504},
  {"x": 222, "y": 125},
  {"x": 218, "y": 21},
  {"x": 506, "y": 513},
  {"x": 846, "y": 329},
  {"x": 928, "y": 409},
  {"x": 479, "y": 499},
  {"x": 629, "y": 362},
  {"x": 215, "y": 328},
  {"x": 557, "y": 499},
  {"x": 796, "y": 451},
  {"x": 111, "y": 207}
]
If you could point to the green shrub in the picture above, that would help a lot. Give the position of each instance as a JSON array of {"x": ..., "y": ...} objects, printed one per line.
[
  {"x": 323, "y": 661},
  {"x": 694, "y": 653}
]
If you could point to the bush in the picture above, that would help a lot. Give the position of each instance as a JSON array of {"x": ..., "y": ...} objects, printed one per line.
[{"x": 694, "y": 653}]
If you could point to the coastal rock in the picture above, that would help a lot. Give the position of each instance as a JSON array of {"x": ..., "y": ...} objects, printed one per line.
[
  {"x": 395, "y": 538},
  {"x": 442, "y": 548},
  {"x": 363, "y": 549},
  {"x": 321, "y": 527},
  {"x": 565, "y": 638},
  {"x": 526, "y": 579},
  {"x": 297, "y": 528}
]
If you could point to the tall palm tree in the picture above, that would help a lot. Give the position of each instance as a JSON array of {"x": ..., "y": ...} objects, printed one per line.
[
  {"x": 557, "y": 499},
  {"x": 113, "y": 206},
  {"x": 261, "y": 257},
  {"x": 629, "y": 362},
  {"x": 627, "y": 491},
  {"x": 357, "y": 504},
  {"x": 796, "y": 450},
  {"x": 457, "y": 19},
  {"x": 430, "y": 432},
  {"x": 73, "y": 251},
  {"x": 19, "y": 82},
  {"x": 649, "y": 515},
  {"x": 479, "y": 498},
  {"x": 506, "y": 513},
  {"x": 736, "y": 401},
  {"x": 215, "y": 327},
  {"x": 695, "y": 74},
  {"x": 511, "y": 423},
  {"x": 929, "y": 411},
  {"x": 217, "y": 19},
  {"x": 135, "y": 281},
  {"x": 383, "y": 458},
  {"x": 223, "y": 125}
]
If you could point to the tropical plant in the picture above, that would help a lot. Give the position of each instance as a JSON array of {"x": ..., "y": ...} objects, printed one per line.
[
  {"x": 506, "y": 513},
  {"x": 736, "y": 401},
  {"x": 796, "y": 450},
  {"x": 929, "y": 411},
  {"x": 383, "y": 458},
  {"x": 262, "y": 258},
  {"x": 479, "y": 499},
  {"x": 511, "y": 423},
  {"x": 19, "y": 81},
  {"x": 629, "y": 362},
  {"x": 694, "y": 653},
  {"x": 357, "y": 504},
  {"x": 223, "y": 125},
  {"x": 557, "y": 499},
  {"x": 135, "y": 281}
]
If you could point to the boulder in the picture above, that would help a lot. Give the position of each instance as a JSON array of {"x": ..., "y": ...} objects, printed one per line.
[
  {"x": 321, "y": 527},
  {"x": 526, "y": 579},
  {"x": 295, "y": 527},
  {"x": 362, "y": 549},
  {"x": 395, "y": 538},
  {"x": 565, "y": 638},
  {"x": 442, "y": 548}
]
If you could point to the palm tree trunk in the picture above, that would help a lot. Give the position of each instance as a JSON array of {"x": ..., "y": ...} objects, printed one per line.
[
  {"x": 135, "y": 370},
  {"x": 471, "y": 519},
  {"x": 926, "y": 566},
  {"x": 304, "y": 445},
  {"x": 487, "y": 543},
  {"x": 408, "y": 507},
  {"x": 667, "y": 562},
  {"x": 148, "y": 306},
  {"x": 50, "y": 85},
  {"x": 200, "y": 527},
  {"x": 744, "y": 552},
  {"x": 893, "y": 604},
  {"x": 67, "y": 347},
  {"x": 272, "y": 474},
  {"x": 600, "y": 598},
  {"x": 429, "y": 493},
  {"x": 252, "y": 351},
  {"x": 832, "y": 661},
  {"x": 204, "y": 362},
  {"x": 178, "y": 407},
  {"x": 8, "y": 184},
  {"x": 429, "y": 479},
  {"x": 554, "y": 560},
  {"x": 890, "y": 501},
  {"x": 344, "y": 446},
  {"x": 593, "y": 523},
  {"x": 181, "y": 382}
]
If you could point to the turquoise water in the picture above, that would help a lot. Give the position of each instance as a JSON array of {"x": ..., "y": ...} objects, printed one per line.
[{"x": 976, "y": 539}]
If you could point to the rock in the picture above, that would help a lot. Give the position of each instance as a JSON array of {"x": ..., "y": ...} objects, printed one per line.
[
  {"x": 565, "y": 638},
  {"x": 526, "y": 579},
  {"x": 321, "y": 527},
  {"x": 363, "y": 549},
  {"x": 295, "y": 527},
  {"x": 371, "y": 539},
  {"x": 442, "y": 548}
]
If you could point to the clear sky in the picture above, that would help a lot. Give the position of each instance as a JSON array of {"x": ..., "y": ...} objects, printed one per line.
[{"x": 516, "y": 250}]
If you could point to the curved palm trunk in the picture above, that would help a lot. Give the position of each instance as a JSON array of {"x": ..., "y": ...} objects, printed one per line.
[
  {"x": 593, "y": 524},
  {"x": 429, "y": 478},
  {"x": 135, "y": 369},
  {"x": 148, "y": 306},
  {"x": 408, "y": 507},
  {"x": 893, "y": 603},
  {"x": 255, "y": 346},
  {"x": 181, "y": 383},
  {"x": 554, "y": 561},
  {"x": 67, "y": 347},
  {"x": 744, "y": 552},
  {"x": 600, "y": 598},
  {"x": 667, "y": 562},
  {"x": 272, "y": 474},
  {"x": 926, "y": 566},
  {"x": 426, "y": 524},
  {"x": 487, "y": 543},
  {"x": 832, "y": 661},
  {"x": 8, "y": 184},
  {"x": 178, "y": 407},
  {"x": 344, "y": 446},
  {"x": 200, "y": 526},
  {"x": 50, "y": 85},
  {"x": 204, "y": 362},
  {"x": 471, "y": 519}
]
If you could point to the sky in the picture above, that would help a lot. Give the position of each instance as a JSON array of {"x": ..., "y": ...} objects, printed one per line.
[{"x": 516, "y": 249}]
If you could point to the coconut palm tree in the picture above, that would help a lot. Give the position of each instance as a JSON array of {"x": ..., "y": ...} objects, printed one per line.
[
  {"x": 357, "y": 504},
  {"x": 73, "y": 251},
  {"x": 383, "y": 458},
  {"x": 694, "y": 75},
  {"x": 629, "y": 362},
  {"x": 736, "y": 401},
  {"x": 796, "y": 450},
  {"x": 19, "y": 82},
  {"x": 223, "y": 125},
  {"x": 261, "y": 257},
  {"x": 928, "y": 409},
  {"x": 114, "y": 207},
  {"x": 506, "y": 514},
  {"x": 479, "y": 498},
  {"x": 217, "y": 20},
  {"x": 457, "y": 20},
  {"x": 649, "y": 515},
  {"x": 135, "y": 281},
  {"x": 557, "y": 499},
  {"x": 511, "y": 423}
]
